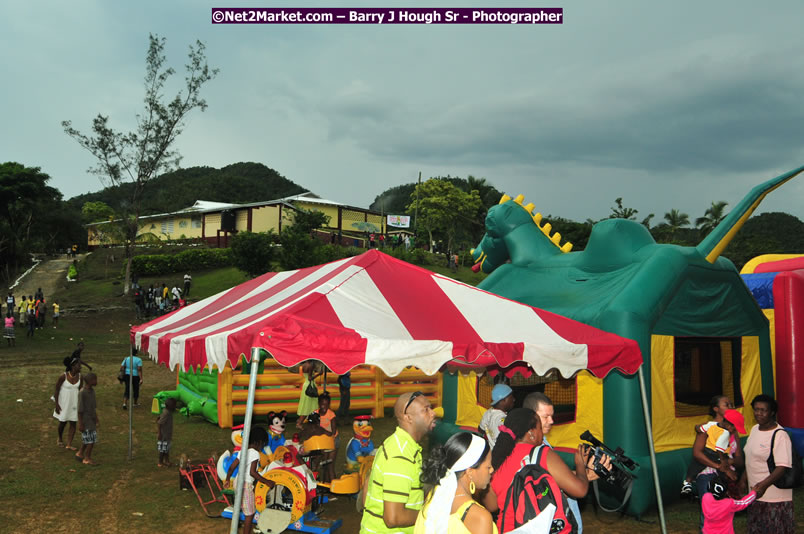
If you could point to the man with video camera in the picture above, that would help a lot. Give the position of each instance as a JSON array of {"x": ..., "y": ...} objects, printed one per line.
[{"x": 543, "y": 406}]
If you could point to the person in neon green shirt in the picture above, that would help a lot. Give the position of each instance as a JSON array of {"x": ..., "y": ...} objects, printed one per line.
[{"x": 393, "y": 490}]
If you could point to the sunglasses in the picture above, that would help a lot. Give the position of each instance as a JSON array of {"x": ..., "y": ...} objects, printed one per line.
[{"x": 415, "y": 395}]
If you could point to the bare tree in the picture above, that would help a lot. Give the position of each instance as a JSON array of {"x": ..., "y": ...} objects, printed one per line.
[{"x": 138, "y": 156}]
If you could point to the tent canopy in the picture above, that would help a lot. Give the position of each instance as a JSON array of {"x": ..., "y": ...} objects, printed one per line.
[{"x": 374, "y": 309}]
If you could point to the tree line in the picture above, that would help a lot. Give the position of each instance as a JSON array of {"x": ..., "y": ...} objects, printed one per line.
[{"x": 451, "y": 211}]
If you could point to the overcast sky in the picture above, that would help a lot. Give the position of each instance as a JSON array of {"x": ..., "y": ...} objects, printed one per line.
[{"x": 667, "y": 104}]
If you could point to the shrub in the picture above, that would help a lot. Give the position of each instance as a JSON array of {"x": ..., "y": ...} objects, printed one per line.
[
  {"x": 328, "y": 253},
  {"x": 419, "y": 256},
  {"x": 151, "y": 264},
  {"x": 252, "y": 252},
  {"x": 187, "y": 260}
]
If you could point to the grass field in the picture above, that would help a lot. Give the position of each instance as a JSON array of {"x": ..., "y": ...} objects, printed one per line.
[{"x": 43, "y": 489}]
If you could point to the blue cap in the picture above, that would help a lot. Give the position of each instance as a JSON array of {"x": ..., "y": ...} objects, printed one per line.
[{"x": 499, "y": 392}]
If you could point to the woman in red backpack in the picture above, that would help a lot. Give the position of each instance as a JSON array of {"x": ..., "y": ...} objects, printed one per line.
[{"x": 519, "y": 436}]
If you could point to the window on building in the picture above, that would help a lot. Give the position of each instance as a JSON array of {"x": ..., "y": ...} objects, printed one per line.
[
  {"x": 196, "y": 222},
  {"x": 562, "y": 391},
  {"x": 705, "y": 367}
]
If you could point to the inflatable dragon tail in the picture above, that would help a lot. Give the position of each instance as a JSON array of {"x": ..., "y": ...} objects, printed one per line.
[{"x": 714, "y": 243}]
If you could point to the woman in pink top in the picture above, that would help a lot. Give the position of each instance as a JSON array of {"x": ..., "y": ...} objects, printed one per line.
[
  {"x": 773, "y": 510},
  {"x": 9, "y": 335}
]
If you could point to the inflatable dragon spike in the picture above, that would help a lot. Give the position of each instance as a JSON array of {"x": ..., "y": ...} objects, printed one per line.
[
  {"x": 556, "y": 239},
  {"x": 713, "y": 244},
  {"x": 537, "y": 219},
  {"x": 504, "y": 199}
]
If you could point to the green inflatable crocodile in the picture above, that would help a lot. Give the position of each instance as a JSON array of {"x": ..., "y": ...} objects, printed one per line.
[{"x": 626, "y": 283}]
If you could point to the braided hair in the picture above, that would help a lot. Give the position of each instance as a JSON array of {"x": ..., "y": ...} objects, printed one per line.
[
  {"x": 443, "y": 457},
  {"x": 519, "y": 421}
]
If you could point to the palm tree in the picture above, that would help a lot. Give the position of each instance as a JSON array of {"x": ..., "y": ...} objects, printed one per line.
[
  {"x": 676, "y": 220},
  {"x": 476, "y": 184},
  {"x": 712, "y": 217},
  {"x": 621, "y": 212}
]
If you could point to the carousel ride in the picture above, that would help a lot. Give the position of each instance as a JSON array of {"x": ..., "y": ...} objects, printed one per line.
[{"x": 296, "y": 465}]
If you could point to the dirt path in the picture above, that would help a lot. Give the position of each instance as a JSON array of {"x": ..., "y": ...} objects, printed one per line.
[{"x": 50, "y": 274}]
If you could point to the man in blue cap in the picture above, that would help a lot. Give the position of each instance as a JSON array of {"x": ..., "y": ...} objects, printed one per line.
[{"x": 502, "y": 400}]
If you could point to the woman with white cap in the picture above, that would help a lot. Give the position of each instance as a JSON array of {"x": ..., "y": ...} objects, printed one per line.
[{"x": 459, "y": 470}]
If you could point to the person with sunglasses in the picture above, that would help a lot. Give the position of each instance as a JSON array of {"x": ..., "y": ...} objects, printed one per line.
[{"x": 393, "y": 491}]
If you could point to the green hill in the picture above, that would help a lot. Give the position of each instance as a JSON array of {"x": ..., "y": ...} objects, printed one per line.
[{"x": 237, "y": 183}]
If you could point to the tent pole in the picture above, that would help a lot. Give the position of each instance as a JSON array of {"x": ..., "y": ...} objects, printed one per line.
[
  {"x": 129, "y": 403},
  {"x": 240, "y": 481},
  {"x": 649, "y": 431}
]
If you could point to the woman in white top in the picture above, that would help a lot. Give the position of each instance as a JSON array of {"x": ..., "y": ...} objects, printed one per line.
[
  {"x": 773, "y": 509},
  {"x": 66, "y": 396}
]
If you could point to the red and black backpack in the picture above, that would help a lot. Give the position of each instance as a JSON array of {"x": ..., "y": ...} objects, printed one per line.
[{"x": 532, "y": 489}]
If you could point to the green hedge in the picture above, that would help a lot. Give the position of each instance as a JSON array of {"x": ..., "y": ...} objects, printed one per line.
[{"x": 185, "y": 261}]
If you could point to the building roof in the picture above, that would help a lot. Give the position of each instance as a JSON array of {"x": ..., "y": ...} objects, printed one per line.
[{"x": 207, "y": 206}]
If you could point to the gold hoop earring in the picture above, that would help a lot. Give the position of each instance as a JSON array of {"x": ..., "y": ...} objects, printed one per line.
[{"x": 472, "y": 487}]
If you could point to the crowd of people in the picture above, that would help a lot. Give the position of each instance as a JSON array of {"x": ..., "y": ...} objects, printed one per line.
[
  {"x": 30, "y": 312},
  {"x": 380, "y": 240},
  {"x": 728, "y": 478},
  {"x": 154, "y": 301},
  {"x": 462, "y": 486},
  {"x": 76, "y": 408},
  {"x": 465, "y": 484}
]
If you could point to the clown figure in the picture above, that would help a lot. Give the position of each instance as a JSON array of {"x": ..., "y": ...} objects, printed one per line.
[{"x": 361, "y": 444}]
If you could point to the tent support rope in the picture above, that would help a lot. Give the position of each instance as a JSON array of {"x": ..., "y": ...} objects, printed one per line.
[
  {"x": 649, "y": 433},
  {"x": 241, "y": 472}
]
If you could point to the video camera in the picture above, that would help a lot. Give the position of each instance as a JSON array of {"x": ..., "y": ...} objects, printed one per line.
[{"x": 622, "y": 468}]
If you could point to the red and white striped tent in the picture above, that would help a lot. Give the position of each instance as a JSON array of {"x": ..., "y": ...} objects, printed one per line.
[{"x": 377, "y": 310}]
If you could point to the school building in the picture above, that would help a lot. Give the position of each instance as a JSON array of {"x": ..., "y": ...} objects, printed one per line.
[{"x": 216, "y": 222}]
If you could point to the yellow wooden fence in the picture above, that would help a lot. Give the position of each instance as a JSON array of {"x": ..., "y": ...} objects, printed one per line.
[{"x": 278, "y": 389}]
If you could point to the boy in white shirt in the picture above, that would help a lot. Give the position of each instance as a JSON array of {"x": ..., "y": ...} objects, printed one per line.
[
  {"x": 502, "y": 400},
  {"x": 256, "y": 442}
]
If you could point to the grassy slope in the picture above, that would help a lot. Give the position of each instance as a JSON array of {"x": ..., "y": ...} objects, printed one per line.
[{"x": 43, "y": 489}]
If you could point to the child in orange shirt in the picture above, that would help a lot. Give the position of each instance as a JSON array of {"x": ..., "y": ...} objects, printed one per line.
[{"x": 329, "y": 423}]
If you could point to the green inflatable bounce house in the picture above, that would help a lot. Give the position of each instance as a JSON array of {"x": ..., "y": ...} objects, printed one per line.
[{"x": 700, "y": 330}]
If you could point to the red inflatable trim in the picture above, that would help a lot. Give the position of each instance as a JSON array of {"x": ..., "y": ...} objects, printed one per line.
[{"x": 788, "y": 299}]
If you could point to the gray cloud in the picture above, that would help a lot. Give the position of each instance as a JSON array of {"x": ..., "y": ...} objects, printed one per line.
[
  {"x": 641, "y": 100},
  {"x": 747, "y": 116}
]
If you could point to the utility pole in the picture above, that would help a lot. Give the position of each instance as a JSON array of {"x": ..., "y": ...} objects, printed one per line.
[
  {"x": 416, "y": 216},
  {"x": 383, "y": 227}
]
